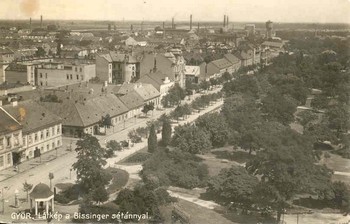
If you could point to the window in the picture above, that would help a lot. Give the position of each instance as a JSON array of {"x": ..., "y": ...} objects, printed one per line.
[
  {"x": 71, "y": 76},
  {"x": 58, "y": 130},
  {"x": 8, "y": 141},
  {"x": 41, "y": 75},
  {"x": 35, "y": 137},
  {"x": 82, "y": 77},
  {"x": 53, "y": 131},
  {"x": 77, "y": 77},
  {"x": 24, "y": 140},
  {"x": 46, "y": 75},
  {"x": 80, "y": 69},
  {"x": 47, "y": 133},
  {"x": 1, "y": 161},
  {"x": 1, "y": 143},
  {"x": 58, "y": 143},
  {"x": 9, "y": 158},
  {"x": 16, "y": 140},
  {"x": 41, "y": 83},
  {"x": 47, "y": 147},
  {"x": 67, "y": 76},
  {"x": 41, "y": 135},
  {"x": 76, "y": 69},
  {"x": 53, "y": 145}
]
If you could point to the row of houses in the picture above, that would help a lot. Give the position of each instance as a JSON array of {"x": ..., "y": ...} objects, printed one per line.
[{"x": 27, "y": 129}]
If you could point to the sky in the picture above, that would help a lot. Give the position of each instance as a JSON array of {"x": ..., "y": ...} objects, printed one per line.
[{"x": 314, "y": 11}]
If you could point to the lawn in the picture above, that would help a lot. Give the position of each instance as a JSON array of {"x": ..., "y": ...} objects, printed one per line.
[
  {"x": 119, "y": 179},
  {"x": 198, "y": 214},
  {"x": 136, "y": 158}
]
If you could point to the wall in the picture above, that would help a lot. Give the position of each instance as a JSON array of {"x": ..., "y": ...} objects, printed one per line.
[{"x": 103, "y": 69}]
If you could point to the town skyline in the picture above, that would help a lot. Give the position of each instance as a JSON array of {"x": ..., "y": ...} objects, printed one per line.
[{"x": 202, "y": 11}]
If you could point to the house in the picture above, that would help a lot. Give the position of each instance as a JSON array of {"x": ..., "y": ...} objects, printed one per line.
[
  {"x": 6, "y": 55},
  {"x": 171, "y": 63},
  {"x": 218, "y": 67},
  {"x": 147, "y": 92},
  {"x": 246, "y": 57},
  {"x": 192, "y": 74},
  {"x": 19, "y": 73},
  {"x": 42, "y": 129},
  {"x": 57, "y": 74},
  {"x": 159, "y": 80},
  {"x": 85, "y": 115},
  {"x": 117, "y": 68},
  {"x": 236, "y": 63},
  {"x": 10, "y": 139}
]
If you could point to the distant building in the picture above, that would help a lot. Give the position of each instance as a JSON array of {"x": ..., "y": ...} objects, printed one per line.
[
  {"x": 57, "y": 74},
  {"x": 192, "y": 74},
  {"x": 250, "y": 29},
  {"x": 269, "y": 29},
  {"x": 171, "y": 63},
  {"x": 158, "y": 80},
  {"x": 117, "y": 68}
]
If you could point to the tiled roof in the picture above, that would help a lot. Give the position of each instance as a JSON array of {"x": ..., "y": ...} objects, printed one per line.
[
  {"x": 7, "y": 123},
  {"x": 132, "y": 100},
  {"x": 32, "y": 116},
  {"x": 221, "y": 63},
  {"x": 231, "y": 58},
  {"x": 88, "y": 112},
  {"x": 156, "y": 79}
]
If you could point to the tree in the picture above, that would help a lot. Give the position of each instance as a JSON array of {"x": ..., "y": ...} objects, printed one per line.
[
  {"x": 192, "y": 139},
  {"x": 233, "y": 185},
  {"x": 152, "y": 140},
  {"x": 111, "y": 147},
  {"x": 341, "y": 195},
  {"x": 147, "y": 107},
  {"x": 204, "y": 85},
  {"x": 40, "y": 52},
  {"x": 338, "y": 118},
  {"x": 90, "y": 159},
  {"x": 216, "y": 125},
  {"x": 245, "y": 84},
  {"x": 306, "y": 117},
  {"x": 27, "y": 187},
  {"x": 166, "y": 132},
  {"x": 51, "y": 176},
  {"x": 99, "y": 194},
  {"x": 106, "y": 121},
  {"x": 134, "y": 137},
  {"x": 278, "y": 107}
]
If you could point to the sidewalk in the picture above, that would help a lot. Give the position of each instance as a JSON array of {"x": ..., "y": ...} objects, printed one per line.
[
  {"x": 45, "y": 158},
  {"x": 118, "y": 132}
]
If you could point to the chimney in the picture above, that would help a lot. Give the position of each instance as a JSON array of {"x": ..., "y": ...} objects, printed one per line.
[
  {"x": 30, "y": 24},
  {"x": 155, "y": 64},
  {"x": 227, "y": 21},
  {"x": 14, "y": 103},
  {"x": 191, "y": 22},
  {"x": 224, "y": 20},
  {"x": 41, "y": 21}
]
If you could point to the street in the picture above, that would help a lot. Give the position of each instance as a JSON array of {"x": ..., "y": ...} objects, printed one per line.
[{"x": 61, "y": 166}]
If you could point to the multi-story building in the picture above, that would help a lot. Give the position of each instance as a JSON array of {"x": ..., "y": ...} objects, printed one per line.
[
  {"x": 10, "y": 139},
  {"x": 42, "y": 129},
  {"x": 117, "y": 68},
  {"x": 171, "y": 63},
  {"x": 57, "y": 74}
]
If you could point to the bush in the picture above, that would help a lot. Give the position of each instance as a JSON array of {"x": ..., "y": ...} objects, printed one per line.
[
  {"x": 174, "y": 168},
  {"x": 134, "y": 137},
  {"x": 138, "y": 157},
  {"x": 70, "y": 194}
]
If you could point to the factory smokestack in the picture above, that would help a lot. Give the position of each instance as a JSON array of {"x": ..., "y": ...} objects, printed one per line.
[
  {"x": 30, "y": 24},
  {"x": 41, "y": 21},
  {"x": 224, "y": 20},
  {"x": 227, "y": 21},
  {"x": 191, "y": 22}
]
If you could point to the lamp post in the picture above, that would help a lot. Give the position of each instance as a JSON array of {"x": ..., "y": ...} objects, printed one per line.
[{"x": 16, "y": 198}]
